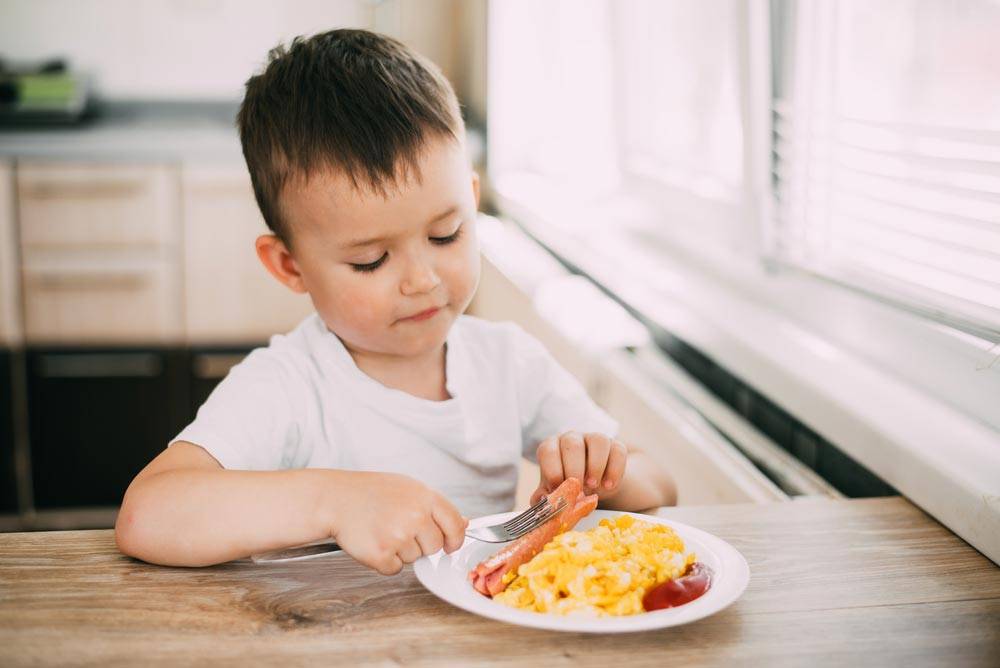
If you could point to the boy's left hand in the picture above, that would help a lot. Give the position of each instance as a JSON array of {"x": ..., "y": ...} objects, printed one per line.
[{"x": 598, "y": 461}]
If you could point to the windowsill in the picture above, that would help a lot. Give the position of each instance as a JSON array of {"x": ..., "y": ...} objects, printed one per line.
[{"x": 763, "y": 328}]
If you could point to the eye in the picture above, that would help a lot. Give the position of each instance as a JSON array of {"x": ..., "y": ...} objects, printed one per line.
[
  {"x": 371, "y": 266},
  {"x": 444, "y": 241}
]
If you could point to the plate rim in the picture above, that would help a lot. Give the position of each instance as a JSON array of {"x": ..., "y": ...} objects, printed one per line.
[{"x": 425, "y": 568}]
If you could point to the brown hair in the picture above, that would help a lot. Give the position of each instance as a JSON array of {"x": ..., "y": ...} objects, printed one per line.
[{"x": 349, "y": 100}]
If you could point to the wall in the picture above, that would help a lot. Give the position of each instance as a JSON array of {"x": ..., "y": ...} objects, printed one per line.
[{"x": 206, "y": 49}]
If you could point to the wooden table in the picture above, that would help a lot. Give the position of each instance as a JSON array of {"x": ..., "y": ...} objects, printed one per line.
[{"x": 833, "y": 582}]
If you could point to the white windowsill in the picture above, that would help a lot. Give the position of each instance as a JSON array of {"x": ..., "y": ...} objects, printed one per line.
[{"x": 940, "y": 457}]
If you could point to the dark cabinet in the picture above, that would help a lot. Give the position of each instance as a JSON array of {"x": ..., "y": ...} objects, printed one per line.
[
  {"x": 8, "y": 476},
  {"x": 208, "y": 367},
  {"x": 96, "y": 417}
]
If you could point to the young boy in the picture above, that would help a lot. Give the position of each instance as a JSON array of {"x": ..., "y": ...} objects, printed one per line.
[{"x": 386, "y": 415}]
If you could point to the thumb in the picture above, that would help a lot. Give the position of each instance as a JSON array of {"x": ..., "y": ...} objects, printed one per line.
[{"x": 539, "y": 492}]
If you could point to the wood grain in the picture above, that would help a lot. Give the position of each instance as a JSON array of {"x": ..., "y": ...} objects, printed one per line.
[{"x": 833, "y": 582}]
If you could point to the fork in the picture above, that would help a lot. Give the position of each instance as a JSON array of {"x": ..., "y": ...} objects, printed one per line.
[{"x": 514, "y": 528}]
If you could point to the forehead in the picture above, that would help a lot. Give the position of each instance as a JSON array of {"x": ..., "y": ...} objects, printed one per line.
[{"x": 328, "y": 205}]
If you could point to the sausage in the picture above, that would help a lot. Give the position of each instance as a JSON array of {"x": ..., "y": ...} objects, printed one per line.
[{"x": 488, "y": 576}]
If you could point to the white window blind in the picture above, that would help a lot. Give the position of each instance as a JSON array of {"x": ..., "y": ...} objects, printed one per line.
[
  {"x": 887, "y": 152},
  {"x": 607, "y": 104}
]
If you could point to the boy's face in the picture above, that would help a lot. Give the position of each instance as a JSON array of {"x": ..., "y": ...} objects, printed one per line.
[{"x": 388, "y": 275}]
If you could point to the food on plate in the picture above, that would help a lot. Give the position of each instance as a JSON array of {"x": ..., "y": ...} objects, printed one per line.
[
  {"x": 672, "y": 593},
  {"x": 492, "y": 575},
  {"x": 607, "y": 570}
]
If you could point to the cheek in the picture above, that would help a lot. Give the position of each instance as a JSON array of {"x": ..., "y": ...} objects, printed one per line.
[
  {"x": 463, "y": 271},
  {"x": 357, "y": 301}
]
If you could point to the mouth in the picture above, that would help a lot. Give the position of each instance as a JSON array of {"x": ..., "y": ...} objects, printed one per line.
[{"x": 423, "y": 315}]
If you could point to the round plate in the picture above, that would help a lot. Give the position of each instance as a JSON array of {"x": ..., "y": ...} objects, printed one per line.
[{"x": 447, "y": 577}]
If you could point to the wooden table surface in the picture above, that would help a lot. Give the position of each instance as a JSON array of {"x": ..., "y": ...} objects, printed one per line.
[{"x": 833, "y": 582}]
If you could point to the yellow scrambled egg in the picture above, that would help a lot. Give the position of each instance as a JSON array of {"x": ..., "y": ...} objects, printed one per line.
[{"x": 602, "y": 571}]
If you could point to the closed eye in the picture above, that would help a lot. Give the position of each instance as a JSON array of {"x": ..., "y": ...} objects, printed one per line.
[
  {"x": 443, "y": 241},
  {"x": 370, "y": 266}
]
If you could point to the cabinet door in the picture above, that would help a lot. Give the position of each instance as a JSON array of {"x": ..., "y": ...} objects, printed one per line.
[
  {"x": 100, "y": 254},
  {"x": 8, "y": 476},
  {"x": 80, "y": 300},
  {"x": 10, "y": 296},
  {"x": 229, "y": 297},
  {"x": 93, "y": 205},
  {"x": 208, "y": 368},
  {"x": 97, "y": 417}
]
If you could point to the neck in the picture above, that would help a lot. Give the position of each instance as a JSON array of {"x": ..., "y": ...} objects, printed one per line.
[{"x": 422, "y": 376}]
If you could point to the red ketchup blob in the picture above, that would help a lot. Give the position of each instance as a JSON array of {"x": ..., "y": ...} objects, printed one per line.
[{"x": 695, "y": 582}]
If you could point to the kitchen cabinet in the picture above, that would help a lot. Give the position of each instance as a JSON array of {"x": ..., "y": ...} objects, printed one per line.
[
  {"x": 8, "y": 476},
  {"x": 207, "y": 369},
  {"x": 97, "y": 416},
  {"x": 228, "y": 295},
  {"x": 99, "y": 253}
]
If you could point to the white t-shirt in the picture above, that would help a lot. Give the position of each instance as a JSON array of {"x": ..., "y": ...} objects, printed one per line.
[{"x": 301, "y": 402}]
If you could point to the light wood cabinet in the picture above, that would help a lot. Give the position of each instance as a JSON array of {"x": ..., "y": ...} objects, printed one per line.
[
  {"x": 10, "y": 314},
  {"x": 100, "y": 259},
  {"x": 228, "y": 295},
  {"x": 96, "y": 206}
]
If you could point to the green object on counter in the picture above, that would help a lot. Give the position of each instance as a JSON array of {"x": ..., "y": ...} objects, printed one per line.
[{"x": 46, "y": 87}]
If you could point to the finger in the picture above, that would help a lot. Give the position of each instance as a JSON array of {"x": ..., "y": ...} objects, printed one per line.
[
  {"x": 550, "y": 463},
  {"x": 537, "y": 494},
  {"x": 430, "y": 539},
  {"x": 389, "y": 565},
  {"x": 409, "y": 551},
  {"x": 574, "y": 455},
  {"x": 451, "y": 523},
  {"x": 598, "y": 450},
  {"x": 615, "y": 469}
]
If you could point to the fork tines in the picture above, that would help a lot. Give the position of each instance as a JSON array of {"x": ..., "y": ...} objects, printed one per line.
[{"x": 540, "y": 517}]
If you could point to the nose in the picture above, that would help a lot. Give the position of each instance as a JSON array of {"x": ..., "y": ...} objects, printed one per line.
[{"x": 419, "y": 278}]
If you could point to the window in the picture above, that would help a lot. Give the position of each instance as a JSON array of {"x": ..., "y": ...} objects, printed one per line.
[
  {"x": 887, "y": 152},
  {"x": 609, "y": 98},
  {"x": 834, "y": 164}
]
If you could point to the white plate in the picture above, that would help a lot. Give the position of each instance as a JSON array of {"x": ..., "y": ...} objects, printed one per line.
[{"x": 447, "y": 577}]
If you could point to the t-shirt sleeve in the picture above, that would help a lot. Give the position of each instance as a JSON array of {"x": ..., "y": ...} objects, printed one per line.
[
  {"x": 551, "y": 400},
  {"x": 247, "y": 422}
]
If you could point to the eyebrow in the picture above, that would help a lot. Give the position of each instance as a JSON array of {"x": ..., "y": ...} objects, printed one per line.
[{"x": 374, "y": 240}]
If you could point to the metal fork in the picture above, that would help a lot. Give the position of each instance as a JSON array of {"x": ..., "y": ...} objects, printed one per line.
[{"x": 512, "y": 529}]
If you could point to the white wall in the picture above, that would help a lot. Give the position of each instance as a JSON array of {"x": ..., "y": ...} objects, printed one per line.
[{"x": 206, "y": 49}]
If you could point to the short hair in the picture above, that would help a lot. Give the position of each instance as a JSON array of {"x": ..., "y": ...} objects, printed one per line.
[{"x": 354, "y": 101}]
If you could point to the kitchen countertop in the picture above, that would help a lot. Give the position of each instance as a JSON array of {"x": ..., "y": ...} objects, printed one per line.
[
  {"x": 833, "y": 582},
  {"x": 134, "y": 131}
]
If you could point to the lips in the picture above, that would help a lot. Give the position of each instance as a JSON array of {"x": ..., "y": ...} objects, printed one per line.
[{"x": 423, "y": 315}]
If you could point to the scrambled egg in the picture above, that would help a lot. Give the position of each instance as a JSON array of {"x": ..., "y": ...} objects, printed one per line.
[{"x": 602, "y": 571}]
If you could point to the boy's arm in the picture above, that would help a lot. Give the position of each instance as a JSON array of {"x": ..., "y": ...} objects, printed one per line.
[{"x": 184, "y": 509}]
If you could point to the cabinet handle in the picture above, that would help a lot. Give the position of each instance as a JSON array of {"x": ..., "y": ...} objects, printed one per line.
[
  {"x": 100, "y": 365},
  {"x": 82, "y": 281},
  {"x": 214, "y": 366},
  {"x": 50, "y": 190}
]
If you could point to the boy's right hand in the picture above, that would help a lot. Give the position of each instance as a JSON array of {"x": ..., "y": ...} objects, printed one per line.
[{"x": 385, "y": 520}]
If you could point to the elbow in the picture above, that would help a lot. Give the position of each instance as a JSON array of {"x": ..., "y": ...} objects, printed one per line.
[{"x": 128, "y": 529}]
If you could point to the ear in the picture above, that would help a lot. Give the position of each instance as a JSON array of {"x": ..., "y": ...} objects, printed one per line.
[
  {"x": 475, "y": 187},
  {"x": 276, "y": 258}
]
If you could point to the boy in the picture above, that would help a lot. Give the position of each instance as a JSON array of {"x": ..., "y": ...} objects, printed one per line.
[{"x": 387, "y": 414}]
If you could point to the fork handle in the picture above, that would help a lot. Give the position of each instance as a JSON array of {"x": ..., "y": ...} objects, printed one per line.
[{"x": 320, "y": 548}]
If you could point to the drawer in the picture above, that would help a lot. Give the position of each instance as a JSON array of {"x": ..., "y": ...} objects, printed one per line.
[
  {"x": 134, "y": 301},
  {"x": 98, "y": 416},
  {"x": 96, "y": 205}
]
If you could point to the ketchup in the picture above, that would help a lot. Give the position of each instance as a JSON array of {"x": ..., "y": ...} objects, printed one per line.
[{"x": 695, "y": 582}]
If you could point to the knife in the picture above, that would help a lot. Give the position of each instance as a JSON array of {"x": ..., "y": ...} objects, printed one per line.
[{"x": 320, "y": 548}]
